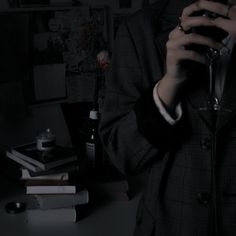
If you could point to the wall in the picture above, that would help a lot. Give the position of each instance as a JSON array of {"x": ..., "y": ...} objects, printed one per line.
[
  {"x": 4, "y": 4},
  {"x": 17, "y": 128}
]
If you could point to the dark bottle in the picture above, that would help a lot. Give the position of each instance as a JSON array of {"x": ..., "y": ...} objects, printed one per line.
[{"x": 93, "y": 144}]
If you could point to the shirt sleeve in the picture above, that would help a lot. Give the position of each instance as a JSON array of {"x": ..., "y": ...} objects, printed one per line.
[{"x": 161, "y": 108}]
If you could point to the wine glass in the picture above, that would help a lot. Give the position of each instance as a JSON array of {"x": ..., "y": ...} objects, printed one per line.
[{"x": 211, "y": 55}]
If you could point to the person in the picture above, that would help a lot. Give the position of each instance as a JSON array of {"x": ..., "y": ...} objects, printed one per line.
[{"x": 152, "y": 117}]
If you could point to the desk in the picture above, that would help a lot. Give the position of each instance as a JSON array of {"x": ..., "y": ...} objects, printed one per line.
[{"x": 108, "y": 219}]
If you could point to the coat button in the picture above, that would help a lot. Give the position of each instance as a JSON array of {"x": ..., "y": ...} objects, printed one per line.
[
  {"x": 204, "y": 198},
  {"x": 205, "y": 144}
]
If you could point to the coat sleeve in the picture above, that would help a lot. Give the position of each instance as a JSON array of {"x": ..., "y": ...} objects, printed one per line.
[{"x": 131, "y": 142}]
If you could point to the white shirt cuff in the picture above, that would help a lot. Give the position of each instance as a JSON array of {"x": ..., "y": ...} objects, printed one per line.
[{"x": 163, "y": 111}]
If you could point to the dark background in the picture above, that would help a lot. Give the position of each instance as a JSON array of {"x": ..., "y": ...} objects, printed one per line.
[{"x": 21, "y": 121}]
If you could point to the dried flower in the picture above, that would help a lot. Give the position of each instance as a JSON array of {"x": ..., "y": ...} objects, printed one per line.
[{"x": 103, "y": 59}]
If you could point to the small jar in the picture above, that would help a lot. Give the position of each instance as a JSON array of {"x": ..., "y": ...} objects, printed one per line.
[{"x": 46, "y": 140}]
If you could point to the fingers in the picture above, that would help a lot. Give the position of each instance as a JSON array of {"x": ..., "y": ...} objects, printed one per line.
[
  {"x": 227, "y": 22},
  {"x": 226, "y": 25},
  {"x": 176, "y": 33},
  {"x": 176, "y": 56},
  {"x": 189, "y": 22},
  {"x": 211, "y": 6},
  {"x": 216, "y": 7},
  {"x": 231, "y": 12},
  {"x": 189, "y": 10},
  {"x": 176, "y": 47},
  {"x": 192, "y": 38},
  {"x": 177, "y": 52}
]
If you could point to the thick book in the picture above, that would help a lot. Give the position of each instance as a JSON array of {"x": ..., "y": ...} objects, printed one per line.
[
  {"x": 68, "y": 168},
  {"x": 45, "y": 160},
  {"x": 51, "y": 216},
  {"x": 25, "y": 175},
  {"x": 52, "y": 201},
  {"x": 22, "y": 162},
  {"x": 49, "y": 187},
  {"x": 36, "y": 216}
]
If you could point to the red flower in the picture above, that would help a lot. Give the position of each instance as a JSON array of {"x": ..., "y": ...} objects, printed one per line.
[{"x": 103, "y": 59}]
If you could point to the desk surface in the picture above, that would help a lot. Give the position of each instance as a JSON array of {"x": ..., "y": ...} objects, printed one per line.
[{"x": 107, "y": 219}]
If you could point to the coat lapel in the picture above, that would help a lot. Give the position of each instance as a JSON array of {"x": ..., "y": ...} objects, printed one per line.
[
  {"x": 197, "y": 95},
  {"x": 197, "y": 98},
  {"x": 228, "y": 102}
]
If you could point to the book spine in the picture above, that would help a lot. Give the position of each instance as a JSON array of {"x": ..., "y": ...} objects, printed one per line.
[
  {"x": 23, "y": 157},
  {"x": 69, "y": 189},
  {"x": 23, "y": 162},
  {"x": 62, "y": 201},
  {"x": 52, "y": 216},
  {"x": 60, "y": 176},
  {"x": 65, "y": 169},
  {"x": 45, "y": 166}
]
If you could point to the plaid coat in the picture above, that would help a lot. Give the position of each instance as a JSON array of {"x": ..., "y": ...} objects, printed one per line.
[{"x": 191, "y": 190}]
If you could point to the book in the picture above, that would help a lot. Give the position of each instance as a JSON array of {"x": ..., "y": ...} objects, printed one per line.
[
  {"x": 49, "y": 187},
  {"x": 36, "y": 216},
  {"x": 52, "y": 201},
  {"x": 23, "y": 162},
  {"x": 45, "y": 160},
  {"x": 59, "y": 176},
  {"x": 51, "y": 216},
  {"x": 68, "y": 168}
]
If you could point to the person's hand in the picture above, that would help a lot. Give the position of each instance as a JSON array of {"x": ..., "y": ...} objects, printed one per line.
[
  {"x": 226, "y": 20},
  {"x": 175, "y": 76},
  {"x": 179, "y": 39},
  {"x": 177, "y": 49}
]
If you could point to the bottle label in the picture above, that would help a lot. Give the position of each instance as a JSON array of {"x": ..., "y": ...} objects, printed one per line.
[{"x": 90, "y": 153}]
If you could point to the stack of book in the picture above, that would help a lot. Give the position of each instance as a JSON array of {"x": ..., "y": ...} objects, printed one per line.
[{"x": 48, "y": 177}]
